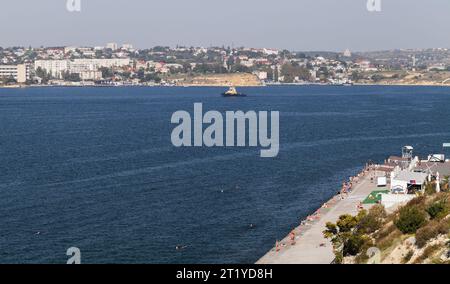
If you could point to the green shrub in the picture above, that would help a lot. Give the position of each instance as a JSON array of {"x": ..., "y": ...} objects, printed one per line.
[
  {"x": 331, "y": 230},
  {"x": 410, "y": 219},
  {"x": 373, "y": 220},
  {"x": 426, "y": 233},
  {"x": 338, "y": 257},
  {"x": 431, "y": 231},
  {"x": 362, "y": 256},
  {"x": 385, "y": 243},
  {"x": 430, "y": 189},
  {"x": 444, "y": 226},
  {"x": 346, "y": 223},
  {"x": 347, "y": 236},
  {"x": 353, "y": 245},
  {"x": 384, "y": 232},
  {"x": 437, "y": 209},
  {"x": 417, "y": 202}
]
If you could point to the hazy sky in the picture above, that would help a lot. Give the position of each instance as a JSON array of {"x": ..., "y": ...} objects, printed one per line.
[{"x": 291, "y": 24}]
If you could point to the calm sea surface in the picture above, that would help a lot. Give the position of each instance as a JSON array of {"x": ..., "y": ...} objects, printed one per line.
[{"x": 94, "y": 168}]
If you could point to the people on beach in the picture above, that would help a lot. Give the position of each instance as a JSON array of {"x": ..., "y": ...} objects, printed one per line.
[
  {"x": 347, "y": 187},
  {"x": 360, "y": 206},
  {"x": 292, "y": 237}
]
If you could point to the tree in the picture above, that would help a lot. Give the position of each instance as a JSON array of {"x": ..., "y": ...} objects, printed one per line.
[
  {"x": 438, "y": 209},
  {"x": 71, "y": 77},
  {"x": 356, "y": 76},
  {"x": 347, "y": 222},
  {"x": 353, "y": 244},
  {"x": 106, "y": 72},
  {"x": 240, "y": 69},
  {"x": 290, "y": 71},
  {"x": 348, "y": 235},
  {"x": 378, "y": 77},
  {"x": 43, "y": 74},
  {"x": 7, "y": 80},
  {"x": 372, "y": 221},
  {"x": 151, "y": 77},
  {"x": 141, "y": 74},
  {"x": 210, "y": 68}
]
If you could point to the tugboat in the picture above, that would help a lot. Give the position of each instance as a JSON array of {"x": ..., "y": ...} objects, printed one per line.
[{"x": 232, "y": 92}]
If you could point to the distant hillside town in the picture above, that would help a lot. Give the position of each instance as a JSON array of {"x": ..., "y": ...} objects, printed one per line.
[{"x": 114, "y": 65}]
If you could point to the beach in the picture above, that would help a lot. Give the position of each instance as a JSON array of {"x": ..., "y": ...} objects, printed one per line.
[{"x": 310, "y": 246}]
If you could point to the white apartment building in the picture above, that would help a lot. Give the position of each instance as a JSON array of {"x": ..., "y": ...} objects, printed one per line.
[
  {"x": 20, "y": 73},
  {"x": 86, "y": 51},
  {"x": 77, "y": 66},
  {"x": 261, "y": 75},
  {"x": 54, "y": 67},
  {"x": 112, "y": 45},
  {"x": 173, "y": 66},
  {"x": 127, "y": 46},
  {"x": 90, "y": 75},
  {"x": 270, "y": 51},
  {"x": 69, "y": 49},
  {"x": 347, "y": 53}
]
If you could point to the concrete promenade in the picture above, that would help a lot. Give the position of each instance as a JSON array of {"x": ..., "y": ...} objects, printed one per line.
[{"x": 310, "y": 246}]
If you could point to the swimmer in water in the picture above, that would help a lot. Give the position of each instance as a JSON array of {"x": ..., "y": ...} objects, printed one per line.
[{"x": 179, "y": 247}]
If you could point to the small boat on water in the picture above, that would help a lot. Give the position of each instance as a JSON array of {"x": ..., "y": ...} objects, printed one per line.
[{"x": 232, "y": 92}]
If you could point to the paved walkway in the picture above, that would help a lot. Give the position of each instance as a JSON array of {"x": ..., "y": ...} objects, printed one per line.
[{"x": 311, "y": 247}]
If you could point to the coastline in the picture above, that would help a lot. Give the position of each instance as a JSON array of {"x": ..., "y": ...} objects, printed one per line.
[
  {"x": 306, "y": 243},
  {"x": 221, "y": 86}
]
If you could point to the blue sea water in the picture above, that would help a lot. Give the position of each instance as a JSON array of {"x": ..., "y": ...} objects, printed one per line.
[{"x": 94, "y": 168}]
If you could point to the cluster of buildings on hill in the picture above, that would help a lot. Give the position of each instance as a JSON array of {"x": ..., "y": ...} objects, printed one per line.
[
  {"x": 87, "y": 69},
  {"x": 408, "y": 175},
  {"x": 112, "y": 64}
]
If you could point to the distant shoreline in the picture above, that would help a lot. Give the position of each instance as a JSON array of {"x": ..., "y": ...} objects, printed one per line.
[{"x": 220, "y": 86}]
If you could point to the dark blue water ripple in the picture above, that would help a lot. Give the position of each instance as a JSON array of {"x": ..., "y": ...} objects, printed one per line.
[{"x": 94, "y": 168}]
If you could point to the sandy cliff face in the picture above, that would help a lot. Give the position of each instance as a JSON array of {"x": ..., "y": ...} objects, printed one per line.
[
  {"x": 416, "y": 233},
  {"x": 423, "y": 78},
  {"x": 238, "y": 80},
  {"x": 407, "y": 253}
]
